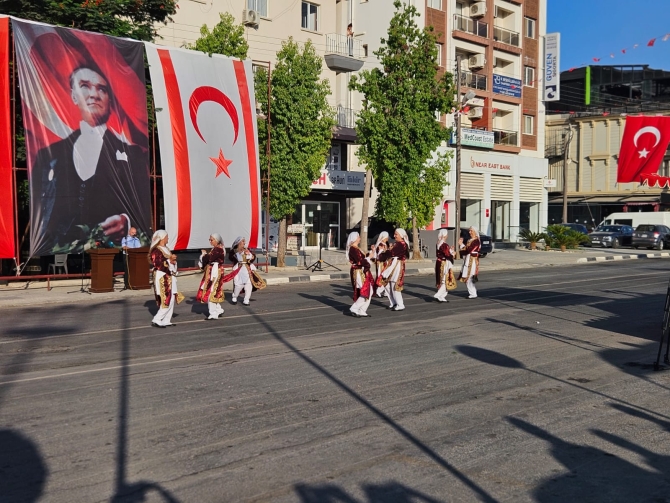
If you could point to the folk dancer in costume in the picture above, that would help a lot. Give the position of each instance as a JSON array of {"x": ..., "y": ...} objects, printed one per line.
[
  {"x": 245, "y": 276},
  {"x": 393, "y": 276},
  {"x": 470, "y": 270},
  {"x": 361, "y": 278},
  {"x": 380, "y": 246},
  {"x": 211, "y": 286},
  {"x": 164, "y": 267},
  {"x": 443, "y": 266}
]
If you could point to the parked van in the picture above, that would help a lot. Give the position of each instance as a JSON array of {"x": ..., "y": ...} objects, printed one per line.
[{"x": 638, "y": 218}]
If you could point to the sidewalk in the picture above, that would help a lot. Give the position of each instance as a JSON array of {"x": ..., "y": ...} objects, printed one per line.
[{"x": 68, "y": 291}]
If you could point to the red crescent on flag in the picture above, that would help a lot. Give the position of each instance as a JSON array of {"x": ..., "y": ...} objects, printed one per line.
[{"x": 207, "y": 93}]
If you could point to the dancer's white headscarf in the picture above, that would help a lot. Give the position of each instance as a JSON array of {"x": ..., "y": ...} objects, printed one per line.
[
  {"x": 350, "y": 240},
  {"x": 403, "y": 235},
  {"x": 157, "y": 238},
  {"x": 475, "y": 230},
  {"x": 237, "y": 241},
  {"x": 442, "y": 237},
  {"x": 217, "y": 238},
  {"x": 382, "y": 235}
]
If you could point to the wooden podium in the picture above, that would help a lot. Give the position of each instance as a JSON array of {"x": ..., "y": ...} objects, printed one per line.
[
  {"x": 102, "y": 269},
  {"x": 138, "y": 268}
]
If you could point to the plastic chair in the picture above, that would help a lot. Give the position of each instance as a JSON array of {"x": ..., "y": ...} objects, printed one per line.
[{"x": 60, "y": 261}]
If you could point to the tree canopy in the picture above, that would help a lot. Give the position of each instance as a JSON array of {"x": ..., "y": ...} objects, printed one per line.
[
  {"x": 121, "y": 18},
  {"x": 226, "y": 38},
  {"x": 301, "y": 124},
  {"x": 397, "y": 127}
]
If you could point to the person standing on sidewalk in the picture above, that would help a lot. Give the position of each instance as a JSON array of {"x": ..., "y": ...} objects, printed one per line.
[
  {"x": 164, "y": 266},
  {"x": 211, "y": 286},
  {"x": 361, "y": 278},
  {"x": 393, "y": 277},
  {"x": 443, "y": 266},
  {"x": 470, "y": 270},
  {"x": 130, "y": 241}
]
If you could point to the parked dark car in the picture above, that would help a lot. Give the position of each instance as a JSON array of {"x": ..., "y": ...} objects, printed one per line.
[
  {"x": 485, "y": 241},
  {"x": 651, "y": 236},
  {"x": 612, "y": 236},
  {"x": 577, "y": 227}
]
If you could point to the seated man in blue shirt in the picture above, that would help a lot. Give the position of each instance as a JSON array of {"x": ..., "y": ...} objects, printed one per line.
[{"x": 130, "y": 241}]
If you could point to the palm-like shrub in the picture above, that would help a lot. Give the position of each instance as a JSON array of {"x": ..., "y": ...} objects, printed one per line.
[
  {"x": 560, "y": 236},
  {"x": 532, "y": 237}
]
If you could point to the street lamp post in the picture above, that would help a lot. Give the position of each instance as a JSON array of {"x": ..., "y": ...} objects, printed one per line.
[{"x": 468, "y": 96}]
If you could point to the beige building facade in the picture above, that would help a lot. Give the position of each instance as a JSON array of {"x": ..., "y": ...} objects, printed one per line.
[{"x": 590, "y": 148}]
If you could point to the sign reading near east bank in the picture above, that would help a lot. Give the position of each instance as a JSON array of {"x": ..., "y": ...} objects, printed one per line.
[
  {"x": 475, "y": 138},
  {"x": 509, "y": 86},
  {"x": 552, "y": 67}
]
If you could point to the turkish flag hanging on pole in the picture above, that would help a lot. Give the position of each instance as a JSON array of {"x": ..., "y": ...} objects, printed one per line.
[{"x": 643, "y": 146}]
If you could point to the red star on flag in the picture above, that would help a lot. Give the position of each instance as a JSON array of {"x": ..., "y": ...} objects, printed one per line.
[{"x": 221, "y": 164}]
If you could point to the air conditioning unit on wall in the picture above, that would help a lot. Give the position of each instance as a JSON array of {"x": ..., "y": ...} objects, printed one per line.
[
  {"x": 250, "y": 17},
  {"x": 475, "y": 113},
  {"x": 478, "y": 9},
  {"x": 476, "y": 61}
]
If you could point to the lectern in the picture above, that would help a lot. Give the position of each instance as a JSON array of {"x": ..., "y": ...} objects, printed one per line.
[
  {"x": 138, "y": 268},
  {"x": 102, "y": 269}
]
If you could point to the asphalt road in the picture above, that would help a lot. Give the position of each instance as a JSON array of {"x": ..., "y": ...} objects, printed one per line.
[{"x": 539, "y": 390}]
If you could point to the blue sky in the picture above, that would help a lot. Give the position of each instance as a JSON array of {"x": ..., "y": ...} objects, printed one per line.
[{"x": 596, "y": 28}]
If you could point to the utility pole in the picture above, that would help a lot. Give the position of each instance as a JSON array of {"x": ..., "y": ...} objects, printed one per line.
[
  {"x": 457, "y": 196},
  {"x": 566, "y": 156}
]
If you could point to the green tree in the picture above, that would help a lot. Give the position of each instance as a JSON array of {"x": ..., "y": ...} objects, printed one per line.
[
  {"x": 225, "y": 38},
  {"x": 397, "y": 129},
  {"x": 136, "y": 19},
  {"x": 301, "y": 123}
]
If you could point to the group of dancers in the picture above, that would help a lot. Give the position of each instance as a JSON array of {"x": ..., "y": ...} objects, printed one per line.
[
  {"x": 164, "y": 267},
  {"x": 389, "y": 261},
  {"x": 388, "y": 281}
]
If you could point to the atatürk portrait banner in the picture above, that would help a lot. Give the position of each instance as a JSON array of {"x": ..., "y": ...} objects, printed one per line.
[{"x": 85, "y": 116}]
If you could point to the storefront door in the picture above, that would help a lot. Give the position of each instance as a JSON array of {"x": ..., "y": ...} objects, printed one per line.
[
  {"x": 328, "y": 241},
  {"x": 500, "y": 220}
]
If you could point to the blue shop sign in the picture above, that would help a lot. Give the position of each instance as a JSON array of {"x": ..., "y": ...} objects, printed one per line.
[{"x": 508, "y": 86}]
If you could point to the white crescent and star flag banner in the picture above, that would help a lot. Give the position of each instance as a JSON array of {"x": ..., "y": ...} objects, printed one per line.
[
  {"x": 643, "y": 146},
  {"x": 205, "y": 109}
]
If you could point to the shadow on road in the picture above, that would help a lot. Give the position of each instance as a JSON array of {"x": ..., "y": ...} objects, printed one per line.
[
  {"x": 125, "y": 491},
  {"x": 597, "y": 475},
  {"x": 480, "y": 492},
  {"x": 391, "y": 492}
]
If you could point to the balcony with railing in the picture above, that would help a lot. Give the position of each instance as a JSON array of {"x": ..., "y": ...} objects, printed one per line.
[
  {"x": 504, "y": 137},
  {"x": 470, "y": 25},
  {"x": 343, "y": 53},
  {"x": 346, "y": 117},
  {"x": 474, "y": 81},
  {"x": 505, "y": 36}
]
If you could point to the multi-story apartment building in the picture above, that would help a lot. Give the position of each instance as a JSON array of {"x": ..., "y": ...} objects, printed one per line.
[{"x": 500, "y": 44}]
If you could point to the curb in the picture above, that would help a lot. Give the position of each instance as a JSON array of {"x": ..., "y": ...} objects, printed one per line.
[{"x": 584, "y": 260}]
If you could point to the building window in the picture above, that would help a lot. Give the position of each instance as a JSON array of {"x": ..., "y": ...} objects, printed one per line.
[
  {"x": 528, "y": 124},
  {"x": 530, "y": 27},
  {"x": 439, "y": 54},
  {"x": 435, "y": 4},
  {"x": 309, "y": 18},
  {"x": 529, "y": 76},
  {"x": 260, "y": 6}
]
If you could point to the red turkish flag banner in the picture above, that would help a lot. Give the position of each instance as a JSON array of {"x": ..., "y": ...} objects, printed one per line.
[{"x": 643, "y": 146}]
